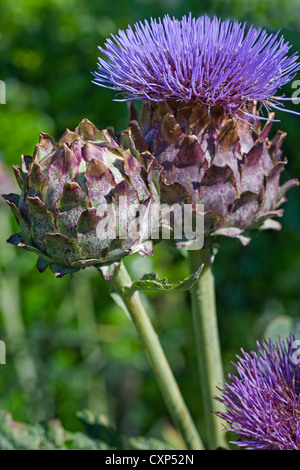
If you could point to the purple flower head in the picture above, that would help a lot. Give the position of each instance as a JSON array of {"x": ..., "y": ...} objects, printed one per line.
[
  {"x": 197, "y": 59},
  {"x": 263, "y": 401}
]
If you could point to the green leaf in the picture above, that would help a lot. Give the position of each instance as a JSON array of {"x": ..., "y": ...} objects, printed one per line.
[
  {"x": 98, "y": 435},
  {"x": 152, "y": 282},
  {"x": 49, "y": 436},
  {"x": 18, "y": 436},
  {"x": 99, "y": 428}
]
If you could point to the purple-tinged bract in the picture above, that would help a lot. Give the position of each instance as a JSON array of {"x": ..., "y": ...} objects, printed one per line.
[
  {"x": 263, "y": 399},
  {"x": 71, "y": 194},
  {"x": 197, "y": 59}
]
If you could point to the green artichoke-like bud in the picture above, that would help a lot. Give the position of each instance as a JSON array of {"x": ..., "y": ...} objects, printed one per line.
[
  {"x": 226, "y": 164},
  {"x": 68, "y": 189}
]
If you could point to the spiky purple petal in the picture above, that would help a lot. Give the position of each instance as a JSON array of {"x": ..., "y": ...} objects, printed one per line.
[{"x": 197, "y": 59}]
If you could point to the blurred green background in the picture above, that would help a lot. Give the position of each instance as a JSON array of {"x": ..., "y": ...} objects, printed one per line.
[{"x": 68, "y": 346}]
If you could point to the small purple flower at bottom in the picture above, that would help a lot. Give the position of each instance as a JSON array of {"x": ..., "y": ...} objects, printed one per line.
[{"x": 263, "y": 400}]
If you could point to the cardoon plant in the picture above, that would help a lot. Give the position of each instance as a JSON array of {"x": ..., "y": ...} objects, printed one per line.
[
  {"x": 69, "y": 209},
  {"x": 263, "y": 397},
  {"x": 204, "y": 84}
]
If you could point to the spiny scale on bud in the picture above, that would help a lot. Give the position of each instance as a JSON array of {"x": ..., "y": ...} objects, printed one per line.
[
  {"x": 226, "y": 164},
  {"x": 66, "y": 187}
]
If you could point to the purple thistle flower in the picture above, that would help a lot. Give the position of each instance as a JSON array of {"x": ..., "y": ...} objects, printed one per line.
[
  {"x": 198, "y": 59},
  {"x": 263, "y": 401}
]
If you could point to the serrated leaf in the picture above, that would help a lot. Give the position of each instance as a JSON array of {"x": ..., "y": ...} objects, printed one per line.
[
  {"x": 55, "y": 432},
  {"x": 49, "y": 436},
  {"x": 18, "y": 436},
  {"x": 52, "y": 436},
  {"x": 152, "y": 282}
]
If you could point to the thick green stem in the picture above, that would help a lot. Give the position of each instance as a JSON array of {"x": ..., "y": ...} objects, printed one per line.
[
  {"x": 169, "y": 388},
  {"x": 13, "y": 325},
  {"x": 207, "y": 343},
  {"x": 84, "y": 311}
]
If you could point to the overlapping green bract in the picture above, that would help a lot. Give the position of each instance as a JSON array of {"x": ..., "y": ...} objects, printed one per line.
[
  {"x": 66, "y": 188},
  {"x": 226, "y": 164}
]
